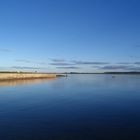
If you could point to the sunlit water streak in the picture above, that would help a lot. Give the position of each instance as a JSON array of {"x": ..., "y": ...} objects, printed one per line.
[{"x": 16, "y": 82}]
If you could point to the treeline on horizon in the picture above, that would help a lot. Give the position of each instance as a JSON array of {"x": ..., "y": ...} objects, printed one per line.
[{"x": 134, "y": 72}]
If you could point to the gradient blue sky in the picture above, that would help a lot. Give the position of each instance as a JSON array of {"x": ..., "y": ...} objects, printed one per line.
[{"x": 70, "y": 35}]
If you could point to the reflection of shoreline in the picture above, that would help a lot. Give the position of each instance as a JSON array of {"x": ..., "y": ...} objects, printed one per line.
[{"x": 4, "y": 83}]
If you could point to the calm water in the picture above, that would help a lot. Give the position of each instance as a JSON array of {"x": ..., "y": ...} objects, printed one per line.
[{"x": 79, "y": 107}]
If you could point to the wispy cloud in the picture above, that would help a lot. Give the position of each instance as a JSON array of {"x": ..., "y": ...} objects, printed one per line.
[
  {"x": 124, "y": 63},
  {"x": 135, "y": 57},
  {"x": 5, "y": 50},
  {"x": 89, "y": 62},
  {"x": 27, "y": 68},
  {"x": 114, "y": 67},
  {"x": 134, "y": 69},
  {"x": 61, "y": 64},
  {"x": 137, "y": 63},
  {"x": 32, "y": 62},
  {"x": 75, "y": 62},
  {"x": 121, "y": 67},
  {"x": 96, "y": 67},
  {"x": 23, "y": 60},
  {"x": 58, "y": 60},
  {"x": 68, "y": 67}
]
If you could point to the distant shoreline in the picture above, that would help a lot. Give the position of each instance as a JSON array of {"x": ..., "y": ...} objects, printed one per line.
[{"x": 117, "y": 73}]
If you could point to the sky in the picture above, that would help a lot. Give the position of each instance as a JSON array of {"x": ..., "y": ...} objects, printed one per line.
[{"x": 70, "y": 35}]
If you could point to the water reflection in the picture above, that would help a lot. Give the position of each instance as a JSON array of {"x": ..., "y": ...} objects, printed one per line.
[
  {"x": 16, "y": 82},
  {"x": 79, "y": 107}
]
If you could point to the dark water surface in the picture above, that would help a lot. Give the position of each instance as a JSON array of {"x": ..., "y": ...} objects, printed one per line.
[{"x": 79, "y": 107}]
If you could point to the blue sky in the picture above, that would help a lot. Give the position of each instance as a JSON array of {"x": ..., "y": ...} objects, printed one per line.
[{"x": 70, "y": 35}]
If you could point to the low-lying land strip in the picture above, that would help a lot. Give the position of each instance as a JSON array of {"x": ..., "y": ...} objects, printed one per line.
[{"x": 24, "y": 75}]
